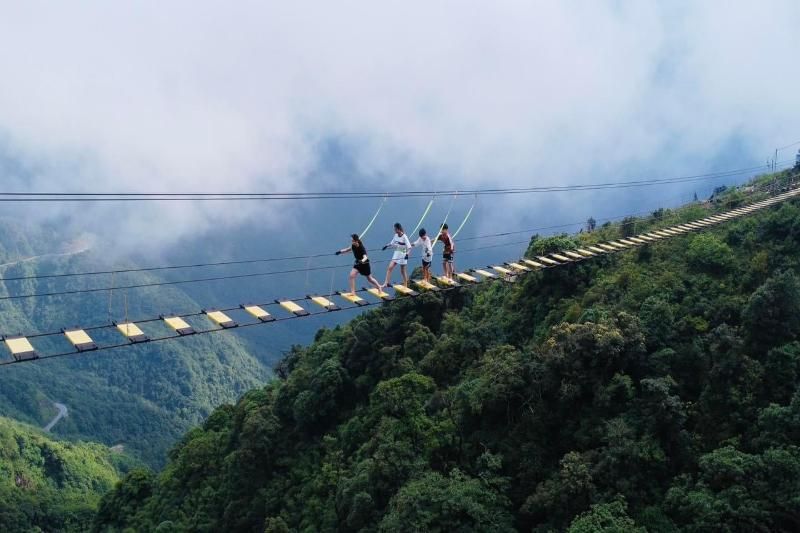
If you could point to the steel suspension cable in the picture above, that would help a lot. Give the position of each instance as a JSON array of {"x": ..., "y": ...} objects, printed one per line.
[
  {"x": 291, "y": 258},
  {"x": 217, "y": 329},
  {"x": 197, "y": 313},
  {"x": 226, "y": 196}
]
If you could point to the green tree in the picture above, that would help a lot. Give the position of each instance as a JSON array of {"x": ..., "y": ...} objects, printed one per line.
[
  {"x": 495, "y": 383},
  {"x": 627, "y": 227},
  {"x": 658, "y": 321},
  {"x": 119, "y": 506},
  {"x": 586, "y": 397},
  {"x": 707, "y": 252},
  {"x": 611, "y": 517},
  {"x": 565, "y": 493},
  {"x": 782, "y": 372},
  {"x": 772, "y": 314},
  {"x": 545, "y": 245},
  {"x": 439, "y": 503},
  {"x": 737, "y": 491}
]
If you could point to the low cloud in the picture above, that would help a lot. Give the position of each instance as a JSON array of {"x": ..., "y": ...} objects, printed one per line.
[{"x": 212, "y": 96}]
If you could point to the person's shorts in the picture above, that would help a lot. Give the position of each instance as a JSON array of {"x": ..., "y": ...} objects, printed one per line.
[
  {"x": 426, "y": 264},
  {"x": 448, "y": 258},
  {"x": 402, "y": 261},
  {"x": 363, "y": 269}
]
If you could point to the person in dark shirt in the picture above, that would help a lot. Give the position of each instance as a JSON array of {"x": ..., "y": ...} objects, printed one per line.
[
  {"x": 449, "y": 251},
  {"x": 361, "y": 265}
]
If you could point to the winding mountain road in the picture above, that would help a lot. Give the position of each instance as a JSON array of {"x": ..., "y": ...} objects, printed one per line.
[
  {"x": 62, "y": 412},
  {"x": 83, "y": 248},
  {"x": 76, "y": 248}
]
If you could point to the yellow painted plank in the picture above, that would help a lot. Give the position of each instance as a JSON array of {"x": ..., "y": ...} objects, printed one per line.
[
  {"x": 532, "y": 263},
  {"x": 78, "y": 336},
  {"x": 422, "y": 284},
  {"x": 220, "y": 318},
  {"x": 379, "y": 294},
  {"x": 258, "y": 312},
  {"x": 80, "y": 339},
  {"x": 324, "y": 303},
  {"x": 20, "y": 346},
  {"x": 292, "y": 307},
  {"x": 402, "y": 289},
  {"x": 353, "y": 298},
  {"x": 467, "y": 277},
  {"x": 179, "y": 325},
  {"x": 129, "y": 329},
  {"x": 517, "y": 266},
  {"x": 504, "y": 271}
]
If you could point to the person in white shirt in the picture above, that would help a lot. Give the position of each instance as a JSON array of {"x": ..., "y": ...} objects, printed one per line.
[
  {"x": 427, "y": 253},
  {"x": 401, "y": 246}
]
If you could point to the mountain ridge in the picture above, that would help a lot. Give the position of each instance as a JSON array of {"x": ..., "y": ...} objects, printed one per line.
[
  {"x": 654, "y": 389},
  {"x": 144, "y": 398}
]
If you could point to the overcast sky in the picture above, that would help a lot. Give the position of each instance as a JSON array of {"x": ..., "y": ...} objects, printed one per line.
[{"x": 238, "y": 96}]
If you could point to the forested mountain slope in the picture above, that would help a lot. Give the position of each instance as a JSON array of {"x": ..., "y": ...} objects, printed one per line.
[
  {"x": 143, "y": 397},
  {"x": 51, "y": 485},
  {"x": 655, "y": 388}
]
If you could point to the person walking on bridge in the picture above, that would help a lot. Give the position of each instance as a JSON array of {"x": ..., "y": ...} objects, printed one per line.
[
  {"x": 427, "y": 253},
  {"x": 402, "y": 247},
  {"x": 448, "y": 252},
  {"x": 361, "y": 266}
]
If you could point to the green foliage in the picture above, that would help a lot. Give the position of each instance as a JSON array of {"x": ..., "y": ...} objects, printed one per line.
[
  {"x": 609, "y": 517},
  {"x": 47, "y": 485},
  {"x": 545, "y": 245},
  {"x": 143, "y": 400},
  {"x": 707, "y": 252},
  {"x": 657, "y": 391},
  {"x": 658, "y": 321},
  {"x": 753, "y": 492},
  {"x": 627, "y": 227},
  {"x": 772, "y": 314},
  {"x": 453, "y": 503}
]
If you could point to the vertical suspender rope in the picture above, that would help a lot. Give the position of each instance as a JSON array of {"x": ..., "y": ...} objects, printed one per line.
[
  {"x": 466, "y": 217},
  {"x": 360, "y": 236},
  {"x": 308, "y": 272},
  {"x": 452, "y": 202},
  {"x": 425, "y": 214},
  {"x": 110, "y": 297},
  {"x": 374, "y": 217},
  {"x": 463, "y": 223}
]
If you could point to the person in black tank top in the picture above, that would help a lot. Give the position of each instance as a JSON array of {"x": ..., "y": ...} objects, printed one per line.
[{"x": 361, "y": 265}]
